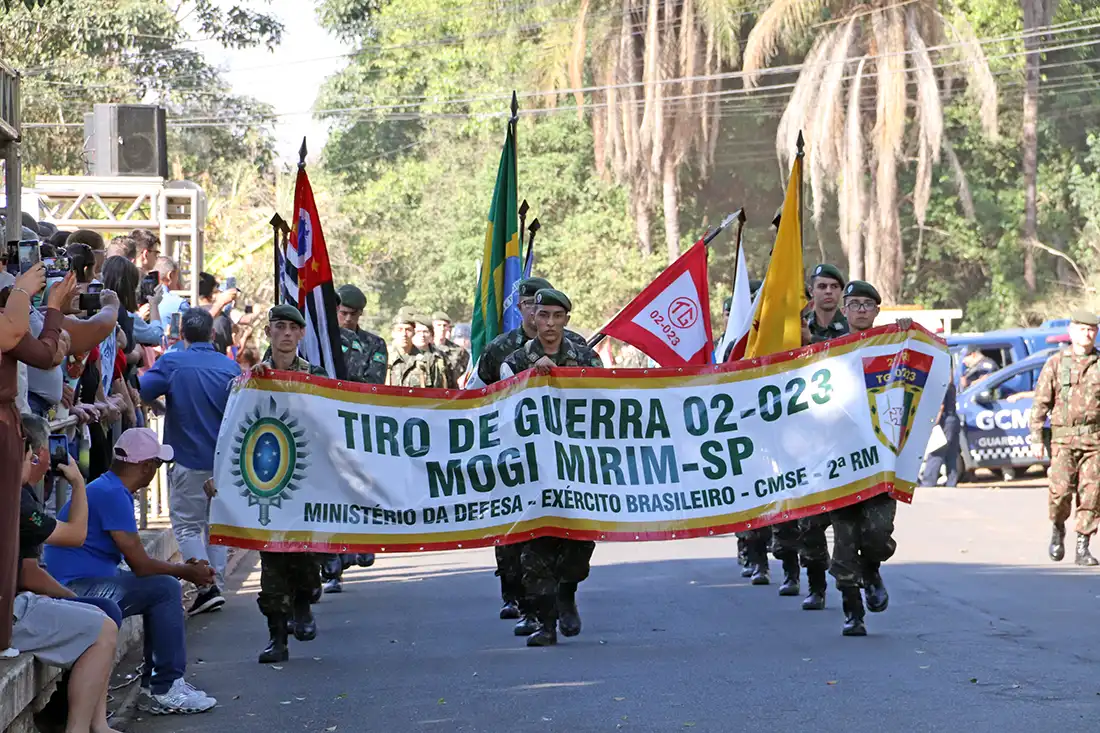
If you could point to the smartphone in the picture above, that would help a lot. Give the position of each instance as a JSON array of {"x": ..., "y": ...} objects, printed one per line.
[
  {"x": 11, "y": 258},
  {"x": 231, "y": 282},
  {"x": 57, "y": 266},
  {"x": 148, "y": 286},
  {"x": 59, "y": 450},
  {"x": 29, "y": 255},
  {"x": 89, "y": 302},
  {"x": 174, "y": 325},
  {"x": 94, "y": 288}
]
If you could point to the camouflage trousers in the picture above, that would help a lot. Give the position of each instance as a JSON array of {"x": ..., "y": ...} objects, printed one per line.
[
  {"x": 756, "y": 545},
  {"x": 1075, "y": 472},
  {"x": 548, "y": 562},
  {"x": 862, "y": 539},
  {"x": 284, "y": 577},
  {"x": 802, "y": 540},
  {"x": 510, "y": 572}
]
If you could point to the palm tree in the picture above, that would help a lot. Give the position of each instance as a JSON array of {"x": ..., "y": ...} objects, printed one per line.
[
  {"x": 646, "y": 125},
  {"x": 867, "y": 80}
]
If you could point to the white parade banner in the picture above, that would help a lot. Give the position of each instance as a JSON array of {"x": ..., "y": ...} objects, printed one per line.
[{"x": 308, "y": 463}]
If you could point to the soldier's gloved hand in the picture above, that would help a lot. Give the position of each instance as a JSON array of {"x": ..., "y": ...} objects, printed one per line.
[{"x": 544, "y": 365}]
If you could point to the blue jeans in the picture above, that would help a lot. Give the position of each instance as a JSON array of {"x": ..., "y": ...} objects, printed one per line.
[
  {"x": 158, "y": 599},
  {"x": 106, "y": 605}
]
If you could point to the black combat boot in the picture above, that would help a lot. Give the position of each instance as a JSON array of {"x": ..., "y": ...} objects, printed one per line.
[
  {"x": 305, "y": 628},
  {"x": 816, "y": 600},
  {"x": 853, "y": 613},
  {"x": 527, "y": 625},
  {"x": 874, "y": 589},
  {"x": 569, "y": 619},
  {"x": 316, "y": 594},
  {"x": 790, "y": 585},
  {"x": 276, "y": 650},
  {"x": 547, "y": 614},
  {"x": 510, "y": 610},
  {"x": 1057, "y": 542},
  {"x": 364, "y": 559},
  {"x": 1084, "y": 557},
  {"x": 761, "y": 573},
  {"x": 742, "y": 552}
]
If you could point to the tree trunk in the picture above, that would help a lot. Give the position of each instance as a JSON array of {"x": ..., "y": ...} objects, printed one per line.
[
  {"x": 642, "y": 224},
  {"x": 672, "y": 208},
  {"x": 1037, "y": 13}
]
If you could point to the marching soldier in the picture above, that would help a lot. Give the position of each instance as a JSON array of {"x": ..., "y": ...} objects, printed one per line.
[
  {"x": 365, "y": 359},
  {"x": 288, "y": 580},
  {"x": 500, "y": 348},
  {"x": 514, "y": 605},
  {"x": 406, "y": 368},
  {"x": 457, "y": 357},
  {"x": 423, "y": 340},
  {"x": 863, "y": 532},
  {"x": 826, "y": 321},
  {"x": 553, "y": 567},
  {"x": 1069, "y": 392}
]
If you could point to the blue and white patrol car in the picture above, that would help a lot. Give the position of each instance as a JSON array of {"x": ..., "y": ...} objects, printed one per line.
[{"x": 993, "y": 417}]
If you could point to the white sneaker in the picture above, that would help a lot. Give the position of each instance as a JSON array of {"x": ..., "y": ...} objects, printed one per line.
[{"x": 181, "y": 698}]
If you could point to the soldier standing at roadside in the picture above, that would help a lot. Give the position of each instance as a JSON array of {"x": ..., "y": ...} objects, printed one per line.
[
  {"x": 553, "y": 567},
  {"x": 423, "y": 340},
  {"x": 406, "y": 368},
  {"x": 288, "y": 580},
  {"x": 1069, "y": 392},
  {"x": 457, "y": 357}
]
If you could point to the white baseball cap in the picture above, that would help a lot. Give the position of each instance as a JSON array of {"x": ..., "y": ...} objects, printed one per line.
[{"x": 140, "y": 444}]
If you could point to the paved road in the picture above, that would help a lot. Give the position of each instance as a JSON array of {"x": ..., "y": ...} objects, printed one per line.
[{"x": 982, "y": 634}]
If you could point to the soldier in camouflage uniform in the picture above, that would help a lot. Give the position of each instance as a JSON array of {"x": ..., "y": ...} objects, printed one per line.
[
  {"x": 1069, "y": 392},
  {"x": 287, "y": 579},
  {"x": 457, "y": 357},
  {"x": 487, "y": 371},
  {"x": 406, "y": 368},
  {"x": 365, "y": 360},
  {"x": 863, "y": 532},
  {"x": 500, "y": 348},
  {"x": 424, "y": 341},
  {"x": 552, "y": 566}
]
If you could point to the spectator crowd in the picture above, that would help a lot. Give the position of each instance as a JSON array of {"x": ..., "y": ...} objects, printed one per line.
[{"x": 99, "y": 340}]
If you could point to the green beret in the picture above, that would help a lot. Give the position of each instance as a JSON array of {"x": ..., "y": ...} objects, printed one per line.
[
  {"x": 351, "y": 297},
  {"x": 441, "y": 316},
  {"x": 532, "y": 285},
  {"x": 862, "y": 289},
  {"x": 1084, "y": 316},
  {"x": 826, "y": 270},
  {"x": 727, "y": 303},
  {"x": 549, "y": 296},
  {"x": 286, "y": 312}
]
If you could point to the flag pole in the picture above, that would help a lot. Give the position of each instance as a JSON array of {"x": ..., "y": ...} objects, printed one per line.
[
  {"x": 302, "y": 155},
  {"x": 523, "y": 207},
  {"x": 737, "y": 246},
  {"x": 277, "y": 225},
  {"x": 707, "y": 239}
]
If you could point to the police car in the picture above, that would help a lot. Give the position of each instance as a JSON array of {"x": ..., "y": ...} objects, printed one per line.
[{"x": 993, "y": 418}]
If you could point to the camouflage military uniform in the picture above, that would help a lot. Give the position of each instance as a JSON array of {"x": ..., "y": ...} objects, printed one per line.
[
  {"x": 410, "y": 370},
  {"x": 833, "y": 329},
  {"x": 457, "y": 358},
  {"x": 365, "y": 356},
  {"x": 1069, "y": 392},
  {"x": 506, "y": 344},
  {"x": 862, "y": 540},
  {"x": 439, "y": 364},
  {"x": 288, "y": 576},
  {"x": 553, "y": 566}
]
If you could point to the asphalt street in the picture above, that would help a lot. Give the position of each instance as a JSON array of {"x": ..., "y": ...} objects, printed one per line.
[{"x": 983, "y": 633}]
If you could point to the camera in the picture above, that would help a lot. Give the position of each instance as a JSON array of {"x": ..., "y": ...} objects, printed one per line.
[
  {"x": 149, "y": 285},
  {"x": 59, "y": 451},
  {"x": 89, "y": 301}
]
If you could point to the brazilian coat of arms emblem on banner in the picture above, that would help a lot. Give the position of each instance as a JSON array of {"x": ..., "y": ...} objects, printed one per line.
[
  {"x": 269, "y": 457},
  {"x": 895, "y": 383}
]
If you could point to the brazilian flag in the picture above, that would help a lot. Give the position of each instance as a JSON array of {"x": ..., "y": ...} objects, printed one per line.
[{"x": 500, "y": 262}]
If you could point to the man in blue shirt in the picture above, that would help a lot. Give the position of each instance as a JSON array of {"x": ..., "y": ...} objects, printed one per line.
[
  {"x": 149, "y": 587},
  {"x": 195, "y": 382}
]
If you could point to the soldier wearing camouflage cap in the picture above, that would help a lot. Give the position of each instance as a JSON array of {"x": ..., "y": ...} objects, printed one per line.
[
  {"x": 437, "y": 364},
  {"x": 406, "y": 368},
  {"x": 288, "y": 580},
  {"x": 863, "y": 532},
  {"x": 552, "y": 567},
  {"x": 1068, "y": 391},
  {"x": 457, "y": 357},
  {"x": 487, "y": 371}
]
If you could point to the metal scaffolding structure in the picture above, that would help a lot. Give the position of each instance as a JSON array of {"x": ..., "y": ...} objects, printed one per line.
[{"x": 111, "y": 205}]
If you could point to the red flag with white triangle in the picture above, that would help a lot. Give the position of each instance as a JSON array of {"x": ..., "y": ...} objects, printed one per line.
[{"x": 669, "y": 321}]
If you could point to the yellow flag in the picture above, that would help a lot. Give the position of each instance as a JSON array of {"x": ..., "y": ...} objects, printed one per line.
[{"x": 777, "y": 323}]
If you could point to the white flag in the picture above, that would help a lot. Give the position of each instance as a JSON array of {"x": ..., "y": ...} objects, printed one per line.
[{"x": 741, "y": 311}]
